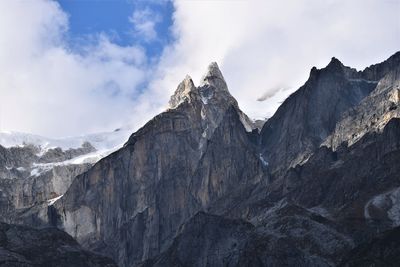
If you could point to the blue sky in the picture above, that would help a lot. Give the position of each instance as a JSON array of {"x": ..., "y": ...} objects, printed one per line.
[
  {"x": 88, "y": 17},
  {"x": 84, "y": 66}
]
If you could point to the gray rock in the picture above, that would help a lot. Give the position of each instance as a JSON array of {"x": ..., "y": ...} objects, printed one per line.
[
  {"x": 310, "y": 114},
  {"x": 131, "y": 204},
  {"x": 372, "y": 114},
  {"x": 383, "y": 250},
  {"x": 30, "y": 179},
  {"x": 22, "y": 246},
  {"x": 288, "y": 236}
]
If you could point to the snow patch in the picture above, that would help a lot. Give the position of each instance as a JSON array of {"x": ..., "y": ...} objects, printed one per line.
[
  {"x": 21, "y": 169},
  {"x": 50, "y": 202},
  {"x": 363, "y": 80},
  {"x": 90, "y": 157},
  {"x": 320, "y": 211},
  {"x": 263, "y": 161},
  {"x": 35, "y": 172},
  {"x": 203, "y": 113},
  {"x": 39, "y": 170},
  {"x": 205, "y": 99}
]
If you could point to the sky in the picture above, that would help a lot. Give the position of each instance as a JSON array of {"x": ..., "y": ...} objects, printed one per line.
[{"x": 72, "y": 67}]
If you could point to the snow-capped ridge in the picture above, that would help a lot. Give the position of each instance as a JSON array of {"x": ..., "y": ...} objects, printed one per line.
[{"x": 100, "y": 141}]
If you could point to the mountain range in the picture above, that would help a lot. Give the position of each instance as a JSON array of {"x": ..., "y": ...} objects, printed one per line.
[{"x": 201, "y": 184}]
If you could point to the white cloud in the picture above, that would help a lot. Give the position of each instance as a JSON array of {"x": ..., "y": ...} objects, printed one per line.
[
  {"x": 47, "y": 88},
  {"x": 265, "y": 46},
  {"x": 262, "y": 47},
  {"x": 144, "y": 22}
]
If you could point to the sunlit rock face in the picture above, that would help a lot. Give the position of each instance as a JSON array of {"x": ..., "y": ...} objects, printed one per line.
[{"x": 133, "y": 202}]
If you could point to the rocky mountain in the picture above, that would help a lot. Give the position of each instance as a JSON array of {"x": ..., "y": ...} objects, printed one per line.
[
  {"x": 202, "y": 185},
  {"x": 309, "y": 115},
  {"x": 131, "y": 204},
  {"x": 374, "y": 112},
  {"x": 35, "y": 171},
  {"x": 31, "y": 180}
]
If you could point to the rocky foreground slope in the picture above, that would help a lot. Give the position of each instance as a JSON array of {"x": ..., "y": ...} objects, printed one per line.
[
  {"x": 22, "y": 246},
  {"x": 200, "y": 185}
]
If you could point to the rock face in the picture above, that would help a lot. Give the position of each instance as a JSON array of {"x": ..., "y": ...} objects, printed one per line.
[
  {"x": 35, "y": 171},
  {"x": 310, "y": 114},
  {"x": 355, "y": 185},
  {"x": 22, "y": 246},
  {"x": 383, "y": 250},
  {"x": 30, "y": 179},
  {"x": 131, "y": 203},
  {"x": 276, "y": 240},
  {"x": 372, "y": 114},
  {"x": 200, "y": 185}
]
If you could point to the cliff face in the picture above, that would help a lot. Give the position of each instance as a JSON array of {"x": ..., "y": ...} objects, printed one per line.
[
  {"x": 372, "y": 114},
  {"x": 355, "y": 185},
  {"x": 312, "y": 216},
  {"x": 310, "y": 114},
  {"x": 131, "y": 203}
]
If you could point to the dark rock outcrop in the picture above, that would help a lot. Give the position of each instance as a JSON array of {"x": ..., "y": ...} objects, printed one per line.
[
  {"x": 350, "y": 184},
  {"x": 22, "y": 246},
  {"x": 372, "y": 114},
  {"x": 310, "y": 114},
  {"x": 287, "y": 236},
  {"x": 381, "y": 251}
]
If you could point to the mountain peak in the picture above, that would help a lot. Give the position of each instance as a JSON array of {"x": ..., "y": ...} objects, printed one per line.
[
  {"x": 182, "y": 92},
  {"x": 335, "y": 60},
  {"x": 212, "y": 86},
  {"x": 214, "y": 77},
  {"x": 335, "y": 63}
]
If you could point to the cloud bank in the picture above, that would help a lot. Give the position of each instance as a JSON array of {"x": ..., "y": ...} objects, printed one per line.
[
  {"x": 267, "y": 48},
  {"x": 264, "y": 48}
]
